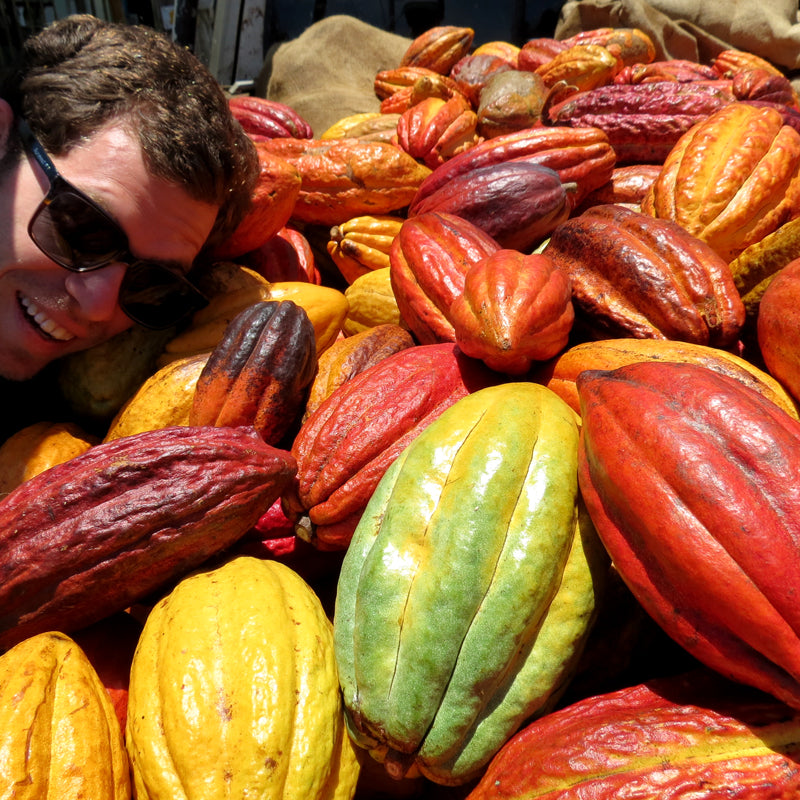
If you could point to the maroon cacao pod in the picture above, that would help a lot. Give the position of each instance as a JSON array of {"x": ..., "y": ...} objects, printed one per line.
[
  {"x": 268, "y": 119},
  {"x": 102, "y": 531}
]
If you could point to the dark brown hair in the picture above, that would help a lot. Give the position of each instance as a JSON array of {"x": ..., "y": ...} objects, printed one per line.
[{"x": 80, "y": 74}]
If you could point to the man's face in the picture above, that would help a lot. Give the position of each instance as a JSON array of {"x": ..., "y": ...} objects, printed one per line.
[{"x": 46, "y": 311}]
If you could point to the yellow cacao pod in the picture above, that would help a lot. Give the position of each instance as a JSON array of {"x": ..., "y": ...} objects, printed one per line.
[
  {"x": 371, "y": 302},
  {"x": 60, "y": 738},
  {"x": 234, "y": 692}
]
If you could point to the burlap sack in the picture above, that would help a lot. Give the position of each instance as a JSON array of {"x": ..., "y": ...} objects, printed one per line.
[
  {"x": 697, "y": 31},
  {"x": 328, "y": 72}
]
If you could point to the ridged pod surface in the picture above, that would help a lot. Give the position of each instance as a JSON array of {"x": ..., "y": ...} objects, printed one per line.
[
  {"x": 731, "y": 180},
  {"x": 636, "y": 276},
  {"x": 429, "y": 260},
  {"x": 690, "y": 479},
  {"x": 60, "y": 738},
  {"x": 103, "y": 530},
  {"x": 234, "y": 692},
  {"x": 440, "y": 666},
  {"x": 344, "y": 447},
  {"x": 695, "y": 736},
  {"x": 260, "y": 372}
]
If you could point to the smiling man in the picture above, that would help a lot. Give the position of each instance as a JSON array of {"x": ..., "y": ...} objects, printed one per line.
[{"x": 119, "y": 163}]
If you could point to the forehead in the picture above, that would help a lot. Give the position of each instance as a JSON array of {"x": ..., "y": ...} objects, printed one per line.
[{"x": 111, "y": 168}]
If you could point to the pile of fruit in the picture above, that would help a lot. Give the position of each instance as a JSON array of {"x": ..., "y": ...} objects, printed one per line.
[{"x": 496, "y": 389}]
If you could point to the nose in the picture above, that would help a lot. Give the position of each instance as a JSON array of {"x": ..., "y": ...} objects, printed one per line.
[{"x": 97, "y": 292}]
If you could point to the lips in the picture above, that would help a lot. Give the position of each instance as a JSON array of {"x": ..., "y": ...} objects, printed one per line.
[{"x": 47, "y": 325}]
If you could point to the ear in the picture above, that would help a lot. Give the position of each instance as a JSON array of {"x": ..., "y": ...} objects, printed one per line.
[{"x": 6, "y": 125}]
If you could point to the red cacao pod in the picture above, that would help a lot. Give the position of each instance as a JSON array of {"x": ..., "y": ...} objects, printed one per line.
[
  {"x": 104, "y": 530},
  {"x": 260, "y": 372},
  {"x": 636, "y": 276},
  {"x": 693, "y": 735},
  {"x": 690, "y": 479},
  {"x": 345, "y": 446},
  {"x": 515, "y": 309},
  {"x": 287, "y": 256},
  {"x": 778, "y": 327},
  {"x": 428, "y": 261},
  {"x": 268, "y": 119}
]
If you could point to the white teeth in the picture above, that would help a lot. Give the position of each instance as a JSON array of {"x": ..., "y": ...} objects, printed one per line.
[{"x": 50, "y": 327}]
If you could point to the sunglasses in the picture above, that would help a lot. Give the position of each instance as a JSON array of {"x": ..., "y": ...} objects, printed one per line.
[{"x": 76, "y": 233}]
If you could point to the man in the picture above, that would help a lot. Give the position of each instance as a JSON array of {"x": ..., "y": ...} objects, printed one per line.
[{"x": 119, "y": 163}]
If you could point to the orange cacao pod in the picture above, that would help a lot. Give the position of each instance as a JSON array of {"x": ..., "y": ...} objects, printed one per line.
[
  {"x": 628, "y": 45},
  {"x": 689, "y": 478},
  {"x": 694, "y": 735},
  {"x": 673, "y": 69},
  {"x": 473, "y": 71},
  {"x": 429, "y": 259},
  {"x": 346, "y": 445},
  {"x": 388, "y": 82},
  {"x": 511, "y": 101},
  {"x": 640, "y": 277},
  {"x": 751, "y": 158},
  {"x": 107, "y": 528},
  {"x": 272, "y": 204},
  {"x": 536, "y": 52},
  {"x": 627, "y": 186},
  {"x": 260, "y": 372},
  {"x": 515, "y": 309},
  {"x": 287, "y": 256},
  {"x": 439, "y": 48},
  {"x": 728, "y": 62},
  {"x": 584, "y": 66},
  {"x": 580, "y": 156},
  {"x": 342, "y": 178},
  {"x": 561, "y": 373},
  {"x": 434, "y": 129}
]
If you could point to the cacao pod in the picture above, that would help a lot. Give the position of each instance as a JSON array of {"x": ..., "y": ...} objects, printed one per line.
[
  {"x": 348, "y": 356},
  {"x": 511, "y": 100},
  {"x": 440, "y": 667},
  {"x": 532, "y": 196},
  {"x": 778, "y": 327},
  {"x": 362, "y": 244},
  {"x": 515, "y": 309},
  {"x": 164, "y": 400},
  {"x": 370, "y": 126},
  {"x": 642, "y": 122},
  {"x": 693, "y": 735},
  {"x": 628, "y": 45},
  {"x": 584, "y": 66},
  {"x": 580, "y": 156},
  {"x": 439, "y": 48},
  {"x": 286, "y": 256},
  {"x": 561, "y": 373},
  {"x": 429, "y": 258},
  {"x": 473, "y": 72},
  {"x": 37, "y": 447},
  {"x": 371, "y": 302},
  {"x": 637, "y": 276},
  {"x": 105, "y": 529},
  {"x": 688, "y": 476},
  {"x": 344, "y": 178},
  {"x": 753, "y": 160},
  {"x": 234, "y": 693},
  {"x": 260, "y": 372},
  {"x": 272, "y": 204},
  {"x": 345, "y": 446},
  {"x": 266, "y": 119},
  {"x": 60, "y": 737}
]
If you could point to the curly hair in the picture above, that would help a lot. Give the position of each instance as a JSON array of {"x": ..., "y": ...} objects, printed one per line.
[{"x": 80, "y": 74}]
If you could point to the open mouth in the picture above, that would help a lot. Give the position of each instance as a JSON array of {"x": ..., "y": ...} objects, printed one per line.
[{"x": 47, "y": 326}]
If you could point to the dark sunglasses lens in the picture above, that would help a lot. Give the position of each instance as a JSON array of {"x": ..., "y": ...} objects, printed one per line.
[
  {"x": 75, "y": 233},
  {"x": 156, "y": 297}
]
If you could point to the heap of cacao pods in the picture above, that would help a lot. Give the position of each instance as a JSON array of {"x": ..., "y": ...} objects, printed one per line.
[{"x": 475, "y": 478}]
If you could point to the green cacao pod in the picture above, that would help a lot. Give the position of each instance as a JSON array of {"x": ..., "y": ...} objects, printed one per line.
[
  {"x": 101, "y": 531},
  {"x": 694, "y": 735},
  {"x": 260, "y": 372},
  {"x": 469, "y": 586},
  {"x": 690, "y": 479}
]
